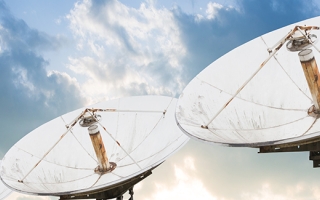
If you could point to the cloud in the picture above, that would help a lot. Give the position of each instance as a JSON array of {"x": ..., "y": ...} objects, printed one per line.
[
  {"x": 208, "y": 38},
  {"x": 124, "y": 51},
  {"x": 33, "y": 94},
  {"x": 186, "y": 185},
  {"x": 226, "y": 173},
  {"x": 212, "y": 10},
  {"x": 134, "y": 51},
  {"x": 155, "y": 50},
  {"x": 267, "y": 191}
]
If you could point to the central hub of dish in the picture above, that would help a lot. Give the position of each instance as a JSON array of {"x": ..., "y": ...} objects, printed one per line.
[
  {"x": 88, "y": 119},
  {"x": 300, "y": 42},
  {"x": 104, "y": 165}
]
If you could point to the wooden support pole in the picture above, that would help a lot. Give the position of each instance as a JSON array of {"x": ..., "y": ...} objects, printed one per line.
[
  {"x": 311, "y": 73},
  {"x": 98, "y": 146}
]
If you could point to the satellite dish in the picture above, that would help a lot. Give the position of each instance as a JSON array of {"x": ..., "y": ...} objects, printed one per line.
[
  {"x": 4, "y": 191},
  {"x": 257, "y": 94},
  {"x": 98, "y": 152}
]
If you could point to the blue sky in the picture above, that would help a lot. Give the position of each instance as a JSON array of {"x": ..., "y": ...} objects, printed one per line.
[{"x": 61, "y": 55}]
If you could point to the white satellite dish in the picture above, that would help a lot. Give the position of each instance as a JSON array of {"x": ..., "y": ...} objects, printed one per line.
[
  {"x": 257, "y": 95},
  {"x": 60, "y": 158},
  {"x": 4, "y": 190}
]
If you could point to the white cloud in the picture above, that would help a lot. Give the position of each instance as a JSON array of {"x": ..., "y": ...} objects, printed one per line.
[
  {"x": 186, "y": 185},
  {"x": 265, "y": 193},
  {"x": 22, "y": 80},
  {"x": 106, "y": 82},
  {"x": 58, "y": 21},
  {"x": 268, "y": 191},
  {"x": 316, "y": 192},
  {"x": 129, "y": 50},
  {"x": 212, "y": 10},
  {"x": 189, "y": 163},
  {"x": 198, "y": 17},
  {"x": 2, "y": 43}
]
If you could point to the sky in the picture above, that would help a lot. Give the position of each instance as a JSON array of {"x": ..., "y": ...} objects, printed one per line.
[{"x": 57, "y": 56}]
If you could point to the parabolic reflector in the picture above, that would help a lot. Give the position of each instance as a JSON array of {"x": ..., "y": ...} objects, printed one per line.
[
  {"x": 255, "y": 95},
  {"x": 4, "y": 190},
  {"x": 58, "y": 157}
]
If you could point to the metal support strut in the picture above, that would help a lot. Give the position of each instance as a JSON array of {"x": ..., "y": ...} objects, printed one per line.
[
  {"x": 312, "y": 147},
  {"x": 130, "y": 192},
  {"x": 311, "y": 73},
  {"x": 97, "y": 142}
]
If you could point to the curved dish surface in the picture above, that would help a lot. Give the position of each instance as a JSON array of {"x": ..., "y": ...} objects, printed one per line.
[
  {"x": 4, "y": 191},
  {"x": 270, "y": 109},
  {"x": 138, "y": 133}
]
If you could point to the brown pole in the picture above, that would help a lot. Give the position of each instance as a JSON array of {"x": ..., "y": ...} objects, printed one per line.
[
  {"x": 98, "y": 146},
  {"x": 311, "y": 73}
]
